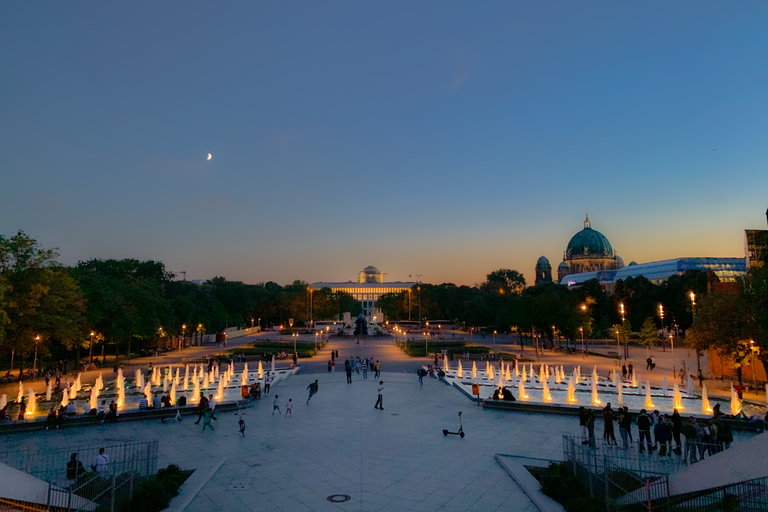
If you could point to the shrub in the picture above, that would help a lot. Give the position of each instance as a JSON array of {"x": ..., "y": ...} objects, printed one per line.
[
  {"x": 156, "y": 493},
  {"x": 560, "y": 484}
]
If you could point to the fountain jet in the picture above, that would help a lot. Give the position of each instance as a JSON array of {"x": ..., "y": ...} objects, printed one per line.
[
  {"x": 648, "y": 402},
  {"x": 705, "y": 400},
  {"x": 571, "y": 391},
  {"x": 196, "y": 391},
  {"x": 595, "y": 398},
  {"x": 474, "y": 370},
  {"x": 735, "y": 402},
  {"x": 460, "y": 371},
  {"x": 521, "y": 390},
  {"x": 94, "y": 400},
  {"x": 677, "y": 397},
  {"x": 545, "y": 394},
  {"x": 31, "y": 403}
]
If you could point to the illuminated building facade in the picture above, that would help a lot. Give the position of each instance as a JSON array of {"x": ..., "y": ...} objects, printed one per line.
[{"x": 369, "y": 287}]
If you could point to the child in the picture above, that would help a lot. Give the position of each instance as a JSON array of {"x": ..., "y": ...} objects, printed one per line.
[
  {"x": 207, "y": 420},
  {"x": 275, "y": 406},
  {"x": 242, "y": 426},
  {"x": 289, "y": 408}
]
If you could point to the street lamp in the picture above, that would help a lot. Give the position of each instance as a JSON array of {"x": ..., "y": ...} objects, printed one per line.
[
  {"x": 419, "y": 289},
  {"x": 494, "y": 336},
  {"x": 426, "y": 342},
  {"x": 316, "y": 341},
  {"x": 623, "y": 320},
  {"x": 698, "y": 352},
  {"x": 583, "y": 344},
  {"x": 34, "y": 365},
  {"x": 661, "y": 315},
  {"x": 294, "y": 335},
  {"x": 90, "y": 348},
  {"x": 183, "y": 336}
]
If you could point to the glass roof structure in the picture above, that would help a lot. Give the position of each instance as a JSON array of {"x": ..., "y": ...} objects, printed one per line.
[{"x": 726, "y": 269}]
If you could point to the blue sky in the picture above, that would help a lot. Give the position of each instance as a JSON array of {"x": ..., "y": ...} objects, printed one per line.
[{"x": 446, "y": 139}]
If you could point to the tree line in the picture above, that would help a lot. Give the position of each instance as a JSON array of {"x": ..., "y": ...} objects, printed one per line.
[
  {"x": 729, "y": 317},
  {"x": 48, "y": 310}
]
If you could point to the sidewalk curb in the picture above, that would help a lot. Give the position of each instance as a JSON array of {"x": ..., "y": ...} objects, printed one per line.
[
  {"x": 529, "y": 485},
  {"x": 193, "y": 485}
]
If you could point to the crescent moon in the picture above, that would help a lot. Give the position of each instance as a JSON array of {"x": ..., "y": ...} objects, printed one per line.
[{"x": 209, "y": 156}]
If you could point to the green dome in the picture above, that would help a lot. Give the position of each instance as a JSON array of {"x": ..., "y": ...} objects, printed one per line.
[
  {"x": 542, "y": 262},
  {"x": 588, "y": 243}
]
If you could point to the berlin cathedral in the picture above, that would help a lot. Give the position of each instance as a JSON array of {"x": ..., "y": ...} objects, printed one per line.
[{"x": 587, "y": 251}]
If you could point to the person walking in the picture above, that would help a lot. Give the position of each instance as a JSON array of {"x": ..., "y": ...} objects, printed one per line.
[
  {"x": 312, "y": 390},
  {"x": 241, "y": 424},
  {"x": 377, "y": 369},
  {"x": 289, "y": 408},
  {"x": 421, "y": 372},
  {"x": 330, "y": 365},
  {"x": 275, "y": 406},
  {"x": 207, "y": 420},
  {"x": 348, "y": 369},
  {"x": 101, "y": 462},
  {"x": 624, "y": 371},
  {"x": 630, "y": 369},
  {"x": 365, "y": 368},
  {"x": 267, "y": 382},
  {"x": 202, "y": 406},
  {"x": 358, "y": 366},
  {"x": 379, "y": 404},
  {"x": 583, "y": 424},
  {"x": 644, "y": 427}
]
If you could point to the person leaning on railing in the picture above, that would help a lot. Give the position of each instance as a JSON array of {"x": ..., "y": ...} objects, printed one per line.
[{"x": 691, "y": 434}]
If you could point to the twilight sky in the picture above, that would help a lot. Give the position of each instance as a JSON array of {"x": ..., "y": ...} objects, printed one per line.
[{"x": 446, "y": 139}]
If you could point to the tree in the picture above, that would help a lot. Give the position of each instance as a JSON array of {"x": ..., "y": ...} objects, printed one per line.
[
  {"x": 42, "y": 306},
  {"x": 724, "y": 321},
  {"x": 648, "y": 336},
  {"x": 126, "y": 299},
  {"x": 506, "y": 280}
]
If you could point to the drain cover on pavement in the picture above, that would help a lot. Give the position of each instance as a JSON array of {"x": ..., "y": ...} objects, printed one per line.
[{"x": 338, "y": 498}]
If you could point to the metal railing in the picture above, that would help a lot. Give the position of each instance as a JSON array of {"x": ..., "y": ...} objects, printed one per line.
[
  {"x": 80, "y": 489},
  {"x": 630, "y": 481},
  {"x": 747, "y": 496}
]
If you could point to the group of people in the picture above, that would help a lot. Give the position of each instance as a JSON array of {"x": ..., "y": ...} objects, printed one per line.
[
  {"x": 657, "y": 431},
  {"x": 105, "y": 413},
  {"x": 361, "y": 365}
]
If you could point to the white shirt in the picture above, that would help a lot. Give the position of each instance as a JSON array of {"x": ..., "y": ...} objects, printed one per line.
[
  {"x": 381, "y": 388},
  {"x": 100, "y": 463}
]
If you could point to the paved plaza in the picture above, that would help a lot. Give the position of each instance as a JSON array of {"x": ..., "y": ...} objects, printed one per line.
[{"x": 395, "y": 459}]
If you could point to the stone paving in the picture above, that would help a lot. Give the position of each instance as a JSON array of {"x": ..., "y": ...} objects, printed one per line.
[
  {"x": 391, "y": 460},
  {"x": 395, "y": 459}
]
